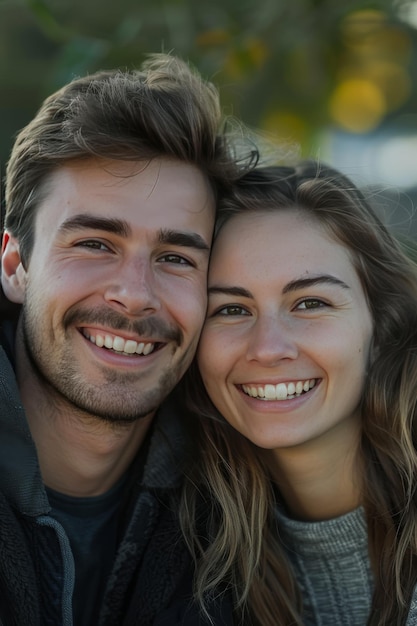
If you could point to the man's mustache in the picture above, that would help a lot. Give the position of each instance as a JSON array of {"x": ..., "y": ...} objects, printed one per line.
[{"x": 150, "y": 327}]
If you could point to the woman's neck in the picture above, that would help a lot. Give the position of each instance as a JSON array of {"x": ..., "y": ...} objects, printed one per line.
[{"x": 320, "y": 480}]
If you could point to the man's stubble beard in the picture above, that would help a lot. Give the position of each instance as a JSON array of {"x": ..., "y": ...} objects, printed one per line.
[{"x": 112, "y": 401}]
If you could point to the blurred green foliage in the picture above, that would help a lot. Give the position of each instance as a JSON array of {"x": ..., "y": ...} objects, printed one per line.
[{"x": 289, "y": 67}]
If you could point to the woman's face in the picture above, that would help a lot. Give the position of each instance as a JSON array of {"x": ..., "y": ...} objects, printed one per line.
[{"x": 285, "y": 347}]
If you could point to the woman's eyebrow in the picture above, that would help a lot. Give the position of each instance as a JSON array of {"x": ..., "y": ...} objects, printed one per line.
[
  {"x": 302, "y": 283},
  {"x": 294, "y": 285},
  {"x": 230, "y": 291}
]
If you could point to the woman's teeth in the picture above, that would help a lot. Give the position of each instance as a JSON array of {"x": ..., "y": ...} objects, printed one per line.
[{"x": 281, "y": 391}]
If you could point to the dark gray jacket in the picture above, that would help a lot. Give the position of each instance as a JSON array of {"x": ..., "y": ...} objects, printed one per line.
[{"x": 151, "y": 579}]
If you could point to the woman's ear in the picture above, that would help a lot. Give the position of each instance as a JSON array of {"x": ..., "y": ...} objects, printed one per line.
[{"x": 13, "y": 274}]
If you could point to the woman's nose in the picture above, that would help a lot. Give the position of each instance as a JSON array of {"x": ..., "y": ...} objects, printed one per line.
[{"x": 271, "y": 340}]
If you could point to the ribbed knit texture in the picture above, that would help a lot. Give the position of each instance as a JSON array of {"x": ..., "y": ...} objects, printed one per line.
[{"x": 332, "y": 567}]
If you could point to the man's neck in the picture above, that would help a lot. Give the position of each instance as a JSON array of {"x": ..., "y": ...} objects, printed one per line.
[
  {"x": 81, "y": 457},
  {"x": 79, "y": 454}
]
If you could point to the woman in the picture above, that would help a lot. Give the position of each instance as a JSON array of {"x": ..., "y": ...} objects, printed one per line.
[{"x": 309, "y": 358}]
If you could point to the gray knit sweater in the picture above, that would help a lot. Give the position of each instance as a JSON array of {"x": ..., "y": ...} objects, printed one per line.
[{"x": 332, "y": 568}]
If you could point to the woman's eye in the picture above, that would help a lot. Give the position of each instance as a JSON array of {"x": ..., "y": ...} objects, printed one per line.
[
  {"x": 310, "y": 303},
  {"x": 232, "y": 309}
]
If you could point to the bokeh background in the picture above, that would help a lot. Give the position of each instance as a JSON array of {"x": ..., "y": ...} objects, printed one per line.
[{"x": 332, "y": 79}]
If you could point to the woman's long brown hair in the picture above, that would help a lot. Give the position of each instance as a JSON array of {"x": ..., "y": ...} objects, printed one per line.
[{"x": 242, "y": 551}]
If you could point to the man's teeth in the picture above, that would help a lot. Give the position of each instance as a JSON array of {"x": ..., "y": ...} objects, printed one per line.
[
  {"x": 118, "y": 344},
  {"x": 282, "y": 391}
]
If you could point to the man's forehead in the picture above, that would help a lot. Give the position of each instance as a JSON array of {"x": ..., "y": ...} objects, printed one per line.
[{"x": 167, "y": 194}]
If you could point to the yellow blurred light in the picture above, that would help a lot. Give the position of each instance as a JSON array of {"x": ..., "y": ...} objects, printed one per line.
[
  {"x": 359, "y": 24},
  {"x": 245, "y": 58},
  {"x": 357, "y": 105},
  {"x": 393, "y": 80},
  {"x": 388, "y": 43},
  {"x": 257, "y": 51},
  {"x": 215, "y": 37},
  {"x": 232, "y": 65},
  {"x": 285, "y": 125},
  {"x": 369, "y": 34}
]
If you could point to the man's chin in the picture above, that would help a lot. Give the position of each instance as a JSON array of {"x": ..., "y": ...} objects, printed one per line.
[
  {"x": 113, "y": 412},
  {"x": 115, "y": 405}
]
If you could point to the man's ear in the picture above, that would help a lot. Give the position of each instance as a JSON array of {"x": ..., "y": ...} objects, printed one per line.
[{"x": 13, "y": 274}]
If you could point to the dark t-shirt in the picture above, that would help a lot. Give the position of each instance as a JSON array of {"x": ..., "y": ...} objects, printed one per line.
[{"x": 92, "y": 528}]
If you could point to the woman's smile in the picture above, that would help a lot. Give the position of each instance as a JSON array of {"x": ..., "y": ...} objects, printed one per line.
[
  {"x": 285, "y": 347},
  {"x": 280, "y": 391}
]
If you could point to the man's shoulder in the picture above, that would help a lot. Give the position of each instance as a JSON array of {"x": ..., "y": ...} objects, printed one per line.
[
  {"x": 8, "y": 310},
  {"x": 171, "y": 408},
  {"x": 9, "y": 314},
  {"x": 169, "y": 445},
  {"x": 7, "y": 338}
]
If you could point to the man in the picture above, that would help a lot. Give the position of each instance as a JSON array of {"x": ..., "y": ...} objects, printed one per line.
[{"x": 110, "y": 204}]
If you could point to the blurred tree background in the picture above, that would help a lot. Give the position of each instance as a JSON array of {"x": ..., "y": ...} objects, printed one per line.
[{"x": 334, "y": 77}]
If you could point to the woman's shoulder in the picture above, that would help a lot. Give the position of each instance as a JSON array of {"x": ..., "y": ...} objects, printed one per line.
[
  {"x": 412, "y": 615},
  {"x": 186, "y": 611}
]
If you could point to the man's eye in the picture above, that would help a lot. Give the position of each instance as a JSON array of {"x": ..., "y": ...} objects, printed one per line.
[
  {"x": 310, "y": 303},
  {"x": 174, "y": 258},
  {"x": 232, "y": 309},
  {"x": 93, "y": 244}
]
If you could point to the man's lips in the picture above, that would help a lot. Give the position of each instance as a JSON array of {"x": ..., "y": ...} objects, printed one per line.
[
  {"x": 119, "y": 344},
  {"x": 111, "y": 330}
]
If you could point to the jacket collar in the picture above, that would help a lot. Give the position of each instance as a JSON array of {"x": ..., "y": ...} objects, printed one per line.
[
  {"x": 20, "y": 475},
  {"x": 164, "y": 465}
]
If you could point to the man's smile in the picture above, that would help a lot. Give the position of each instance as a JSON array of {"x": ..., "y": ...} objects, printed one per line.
[{"x": 119, "y": 344}]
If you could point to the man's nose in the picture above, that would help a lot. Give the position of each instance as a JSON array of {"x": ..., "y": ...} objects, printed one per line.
[{"x": 133, "y": 288}]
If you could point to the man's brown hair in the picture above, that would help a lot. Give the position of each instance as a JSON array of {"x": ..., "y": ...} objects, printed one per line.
[{"x": 164, "y": 109}]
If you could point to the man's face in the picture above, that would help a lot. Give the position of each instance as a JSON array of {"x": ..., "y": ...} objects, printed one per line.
[{"x": 114, "y": 295}]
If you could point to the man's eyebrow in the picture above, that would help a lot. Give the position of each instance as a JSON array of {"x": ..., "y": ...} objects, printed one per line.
[
  {"x": 303, "y": 283},
  {"x": 123, "y": 228},
  {"x": 85, "y": 220},
  {"x": 239, "y": 292},
  {"x": 183, "y": 239}
]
